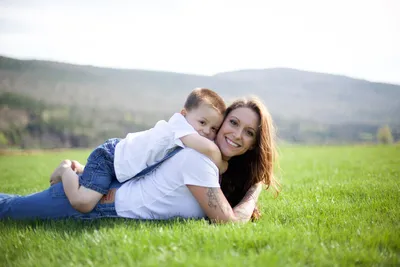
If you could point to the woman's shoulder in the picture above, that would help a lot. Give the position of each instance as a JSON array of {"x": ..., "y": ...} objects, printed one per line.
[
  {"x": 197, "y": 169},
  {"x": 191, "y": 156}
]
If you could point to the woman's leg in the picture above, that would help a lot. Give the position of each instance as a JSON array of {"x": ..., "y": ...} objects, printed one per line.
[
  {"x": 40, "y": 205},
  {"x": 48, "y": 204}
]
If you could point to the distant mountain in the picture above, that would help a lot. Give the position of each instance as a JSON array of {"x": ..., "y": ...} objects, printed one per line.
[
  {"x": 322, "y": 97},
  {"x": 92, "y": 86},
  {"x": 292, "y": 96}
]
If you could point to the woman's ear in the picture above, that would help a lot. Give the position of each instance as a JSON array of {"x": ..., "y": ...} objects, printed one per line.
[{"x": 183, "y": 112}]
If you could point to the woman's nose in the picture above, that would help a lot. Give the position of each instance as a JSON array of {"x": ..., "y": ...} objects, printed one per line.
[{"x": 236, "y": 134}]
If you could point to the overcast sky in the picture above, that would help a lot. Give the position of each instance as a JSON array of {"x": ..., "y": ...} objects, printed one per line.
[{"x": 358, "y": 38}]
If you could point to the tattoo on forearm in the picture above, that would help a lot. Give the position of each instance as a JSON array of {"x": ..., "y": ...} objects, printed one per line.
[
  {"x": 245, "y": 208},
  {"x": 214, "y": 201},
  {"x": 212, "y": 198},
  {"x": 250, "y": 194}
]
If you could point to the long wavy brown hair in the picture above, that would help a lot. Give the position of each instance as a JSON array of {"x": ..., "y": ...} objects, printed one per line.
[{"x": 257, "y": 164}]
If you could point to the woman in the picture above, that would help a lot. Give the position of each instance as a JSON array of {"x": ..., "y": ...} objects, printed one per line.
[{"x": 186, "y": 185}]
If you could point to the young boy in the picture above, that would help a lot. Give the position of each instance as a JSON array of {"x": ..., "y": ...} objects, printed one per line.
[{"x": 195, "y": 127}]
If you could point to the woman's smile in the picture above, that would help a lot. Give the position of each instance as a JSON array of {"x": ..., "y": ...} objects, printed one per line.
[{"x": 230, "y": 142}]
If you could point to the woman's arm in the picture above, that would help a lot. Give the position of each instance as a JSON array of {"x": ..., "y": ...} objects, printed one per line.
[
  {"x": 217, "y": 207},
  {"x": 206, "y": 147}
]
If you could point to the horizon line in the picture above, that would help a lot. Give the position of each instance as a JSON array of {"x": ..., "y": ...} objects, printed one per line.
[{"x": 188, "y": 73}]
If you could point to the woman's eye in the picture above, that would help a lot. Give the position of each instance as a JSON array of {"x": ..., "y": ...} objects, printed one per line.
[
  {"x": 250, "y": 133},
  {"x": 233, "y": 122}
]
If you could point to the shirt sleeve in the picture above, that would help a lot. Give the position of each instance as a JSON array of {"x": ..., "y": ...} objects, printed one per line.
[
  {"x": 180, "y": 127},
  {"x": 199, "y": 170},
  {"x": 139, "y": 150}
]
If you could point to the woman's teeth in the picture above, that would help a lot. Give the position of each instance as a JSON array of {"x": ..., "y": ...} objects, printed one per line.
[{"x": 231, "y": 142}]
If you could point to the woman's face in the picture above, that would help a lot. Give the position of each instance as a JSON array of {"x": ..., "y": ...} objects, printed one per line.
[{"x": 238, "y": 132}]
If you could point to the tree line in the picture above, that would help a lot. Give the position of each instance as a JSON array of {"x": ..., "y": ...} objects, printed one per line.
[{"x": 29, "y": 123}]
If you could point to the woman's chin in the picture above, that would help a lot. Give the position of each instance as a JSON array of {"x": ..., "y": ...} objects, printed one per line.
[{"x": 227, "y": 153}]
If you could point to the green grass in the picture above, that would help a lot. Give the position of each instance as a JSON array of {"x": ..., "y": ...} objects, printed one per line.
[{"x": 340, "y": 206}]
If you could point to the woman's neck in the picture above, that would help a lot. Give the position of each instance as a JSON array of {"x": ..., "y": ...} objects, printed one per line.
[{"x": 226, "y": 158}]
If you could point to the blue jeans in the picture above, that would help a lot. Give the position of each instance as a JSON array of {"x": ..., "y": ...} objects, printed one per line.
[
  {"x": 99, "y": 170},
  {"x": 53, "y": 204}
]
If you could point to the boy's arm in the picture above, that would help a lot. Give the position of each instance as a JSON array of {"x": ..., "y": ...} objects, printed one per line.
[
  {"x": 139, "y": 150},
  {"x": 206, "y": 147},
  {"x": 186, "y": 136}
]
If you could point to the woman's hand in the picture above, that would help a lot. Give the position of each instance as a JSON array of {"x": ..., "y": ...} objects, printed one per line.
[{"x": 247, "y": 207}]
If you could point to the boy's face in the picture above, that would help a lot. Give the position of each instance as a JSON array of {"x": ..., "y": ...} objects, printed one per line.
[{"x": 205, "y": 120}]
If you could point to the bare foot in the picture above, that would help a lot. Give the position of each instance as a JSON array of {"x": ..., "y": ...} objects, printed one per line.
[
  {"x": 77, "y": 167},
  {"x": 58, "y": 172}
]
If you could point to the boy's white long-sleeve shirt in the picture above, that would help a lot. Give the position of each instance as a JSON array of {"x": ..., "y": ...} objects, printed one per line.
[{"x": 139, "y": 150}]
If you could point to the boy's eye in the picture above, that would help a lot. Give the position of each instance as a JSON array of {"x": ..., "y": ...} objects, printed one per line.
[
  {"x": 202, "y": 122},
  {"x": 214, "y": 129}
]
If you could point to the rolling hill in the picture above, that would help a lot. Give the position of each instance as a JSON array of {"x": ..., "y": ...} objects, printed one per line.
[{"x": 297, "y": 99}]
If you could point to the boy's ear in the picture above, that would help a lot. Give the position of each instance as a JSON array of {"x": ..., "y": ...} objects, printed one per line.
[{"x": 183, "y": 112}]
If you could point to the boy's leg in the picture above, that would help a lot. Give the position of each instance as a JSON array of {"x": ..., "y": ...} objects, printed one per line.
[
  {"x": 81, "y": 198},
  {"x": 77, "y": 167},
  {"x": 55, "y": 177},
  {"x": 85, "y": 192}
]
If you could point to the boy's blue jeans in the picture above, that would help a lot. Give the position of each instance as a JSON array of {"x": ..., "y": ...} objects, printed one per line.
[{"x": 99, "y": 170}]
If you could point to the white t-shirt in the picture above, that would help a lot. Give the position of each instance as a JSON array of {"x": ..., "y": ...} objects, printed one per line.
[
  {"x": 142, "y": 149},
  {"x": 163, "y": 194}
]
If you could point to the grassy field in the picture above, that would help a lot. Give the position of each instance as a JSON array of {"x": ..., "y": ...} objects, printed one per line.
[{"x": 340, "y": 206}]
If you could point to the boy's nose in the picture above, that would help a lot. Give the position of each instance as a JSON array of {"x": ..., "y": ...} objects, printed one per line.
[{"x": 206, "y": 131}]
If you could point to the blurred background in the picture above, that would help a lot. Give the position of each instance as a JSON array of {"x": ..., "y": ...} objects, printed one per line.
[{"x": 74, "y": 73}]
